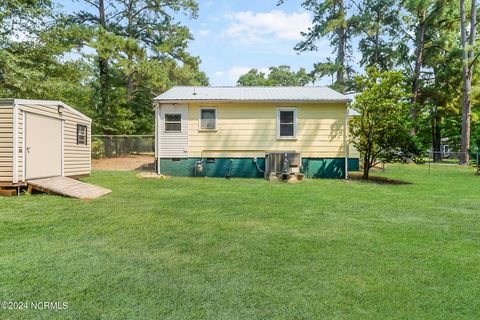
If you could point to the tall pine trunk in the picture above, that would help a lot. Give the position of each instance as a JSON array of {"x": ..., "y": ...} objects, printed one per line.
[
  {"x": 467, "y": 73},
  {"x": 419, "y": 43},
  {"x": 104, "y": 72},
  {"x": 130, "y": 81},
  {"x": 342, "y": 41},
  {"x": 436, "y": 137}
]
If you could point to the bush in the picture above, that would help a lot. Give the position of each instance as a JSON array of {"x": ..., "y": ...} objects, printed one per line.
[{"x": 97, "y": 149}]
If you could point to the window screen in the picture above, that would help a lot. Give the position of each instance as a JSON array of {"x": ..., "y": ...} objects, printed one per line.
[
  {"x": 173, "y": 122},
  {"x": 287, "y": 123},
  {"x": 81, "y": 134},
  {"x": 208, "y": 118}
]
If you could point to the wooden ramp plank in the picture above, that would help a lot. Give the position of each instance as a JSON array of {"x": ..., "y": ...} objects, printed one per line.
[{"x": 68, "y": 187}]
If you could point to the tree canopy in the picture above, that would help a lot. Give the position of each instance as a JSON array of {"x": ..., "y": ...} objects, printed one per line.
[
  {"x": 109, "y": 61},
  {"x": 277, "y": 76}
]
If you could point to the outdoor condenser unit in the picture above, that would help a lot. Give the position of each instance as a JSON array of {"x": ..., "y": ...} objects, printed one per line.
[{"x": 282, "y": 164}]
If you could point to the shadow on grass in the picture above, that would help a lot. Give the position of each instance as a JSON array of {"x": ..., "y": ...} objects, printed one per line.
[{"x": 376, "y": 179}]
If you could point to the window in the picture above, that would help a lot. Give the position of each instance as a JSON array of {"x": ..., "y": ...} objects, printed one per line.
[
  {"x": 287, "y": 123},
  {"x": 208, "y": 119},
  {"x": 81, "y": 135},
  {"x": 173, "y": 122}
]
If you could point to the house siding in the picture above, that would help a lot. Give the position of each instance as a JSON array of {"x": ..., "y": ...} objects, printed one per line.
[
  {"x": 173, "y": 144},
  {"x": 250, "y": 130}
]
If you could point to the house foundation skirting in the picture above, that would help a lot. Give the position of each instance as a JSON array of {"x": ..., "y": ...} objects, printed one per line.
[{"x": 249, "y": 168}]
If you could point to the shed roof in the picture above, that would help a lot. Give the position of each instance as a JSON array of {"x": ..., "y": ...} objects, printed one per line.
[
  {"x": 257, "y": 94},
  {"x": 43, "y": 103}
]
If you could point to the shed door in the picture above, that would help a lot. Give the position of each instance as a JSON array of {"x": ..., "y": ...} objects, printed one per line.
[{"x": 43, "y": 146}]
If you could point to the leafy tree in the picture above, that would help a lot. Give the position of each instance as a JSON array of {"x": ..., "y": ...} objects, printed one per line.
[
  {"x": 382, "y": 131},
  {"x": 252, "y": 78},
  {"x": 421, "y": 20},
  {"x": 140, "y": 52},
  {"x": 439, "y": 89},
  {"x": 34, "y": 39},
  {"x": 330, "y": 19},
  {"x": 278, "y": 76},
  {"x": 377, "y": 26}
]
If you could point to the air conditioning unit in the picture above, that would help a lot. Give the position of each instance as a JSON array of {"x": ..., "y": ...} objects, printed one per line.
[{"x": 283, "y": 166}]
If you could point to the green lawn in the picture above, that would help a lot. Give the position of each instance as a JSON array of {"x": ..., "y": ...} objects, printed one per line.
[{"x": 204, "y": 248}]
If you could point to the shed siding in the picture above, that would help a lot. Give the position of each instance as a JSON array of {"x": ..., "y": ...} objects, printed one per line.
[
  {"x": 6, "y": 143},
  {"x": 250, "y": 130},
  {"x": 76, "y": 158}
]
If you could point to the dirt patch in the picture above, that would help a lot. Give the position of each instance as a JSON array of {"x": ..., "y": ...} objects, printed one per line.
[
  {"x": 151, "y": 175},
  {"x": 377, "y": 179},
  {"x": 125, "y": 163}
]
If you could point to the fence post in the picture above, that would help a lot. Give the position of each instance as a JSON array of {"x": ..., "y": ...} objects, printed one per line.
[
  {"x": 429, "y": 163},
  {"x": 478, "y": 164}
]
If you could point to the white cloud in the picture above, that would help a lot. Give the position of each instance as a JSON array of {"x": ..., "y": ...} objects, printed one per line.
[
  {"x": 250, "y": 28},
  {"x": 209, "y": 4},
  {"x": 204, "y": 32},
  {"x": 235, "y": 72}
]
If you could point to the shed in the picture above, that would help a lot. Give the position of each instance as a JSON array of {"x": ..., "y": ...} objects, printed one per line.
[{"x": 40, "y": 139}]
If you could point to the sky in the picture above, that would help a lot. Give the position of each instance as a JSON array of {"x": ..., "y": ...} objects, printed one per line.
[{"x": 233, "y": 36}]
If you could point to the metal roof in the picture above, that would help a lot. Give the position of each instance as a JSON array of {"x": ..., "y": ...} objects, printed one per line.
[{"x": 260, "y": 94}]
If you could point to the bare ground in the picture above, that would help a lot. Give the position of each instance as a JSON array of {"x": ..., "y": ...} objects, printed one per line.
[{"x": 125, "y": 163}]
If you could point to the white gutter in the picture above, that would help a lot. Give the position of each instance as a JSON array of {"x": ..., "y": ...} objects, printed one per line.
[
  {"x": 157, "y": 141},
  {"x": 15, "y": 143}
]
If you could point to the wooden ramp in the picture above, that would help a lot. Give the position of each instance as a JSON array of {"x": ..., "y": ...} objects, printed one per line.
[{"x": 68, "y": 187}]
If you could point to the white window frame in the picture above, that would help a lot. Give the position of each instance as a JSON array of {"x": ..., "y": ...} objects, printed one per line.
[
  {"x": 165, "y": 122},
  {"x": 84, "y": 143},
  {"x": 295, "y": 122},
  {"x": 200, "y": 119}
]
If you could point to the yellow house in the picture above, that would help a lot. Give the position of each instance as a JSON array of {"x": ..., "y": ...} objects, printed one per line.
[{"x": 230, "y": 130}]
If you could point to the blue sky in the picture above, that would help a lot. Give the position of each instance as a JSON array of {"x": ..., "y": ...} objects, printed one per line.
[
  {"x": 232, "y": 36},
  {"x": 235, "y": 35}
]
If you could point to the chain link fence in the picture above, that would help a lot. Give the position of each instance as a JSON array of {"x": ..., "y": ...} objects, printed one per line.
[
  {"x": 452, "y": 158},
  {"x": 112, "y": 146}
]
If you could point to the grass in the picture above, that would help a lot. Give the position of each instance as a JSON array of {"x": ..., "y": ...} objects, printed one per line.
[{"x": 246, "y": 249}]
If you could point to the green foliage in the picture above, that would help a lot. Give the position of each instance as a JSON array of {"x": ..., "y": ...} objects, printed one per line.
[
  {"x": 139, "y": 52},
  {"x": 377, "y": 25},
  {"x": 330, "y": 19},
  {"x": 382, "y": 130},
  {"x": 34, "y": 39},
  {"x": 278, "y": 76},
  {"x": 97, "y": 149}
]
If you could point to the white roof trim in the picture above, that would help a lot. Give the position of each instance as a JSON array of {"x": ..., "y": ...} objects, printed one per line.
[{"x": 48, "y": 103}]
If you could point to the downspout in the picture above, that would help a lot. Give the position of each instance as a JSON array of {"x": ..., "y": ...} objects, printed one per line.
[
  {"x": 15, "y": 143},
  {"x": 157, "y": 139},
  {"x": 345, "y": 134}
]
